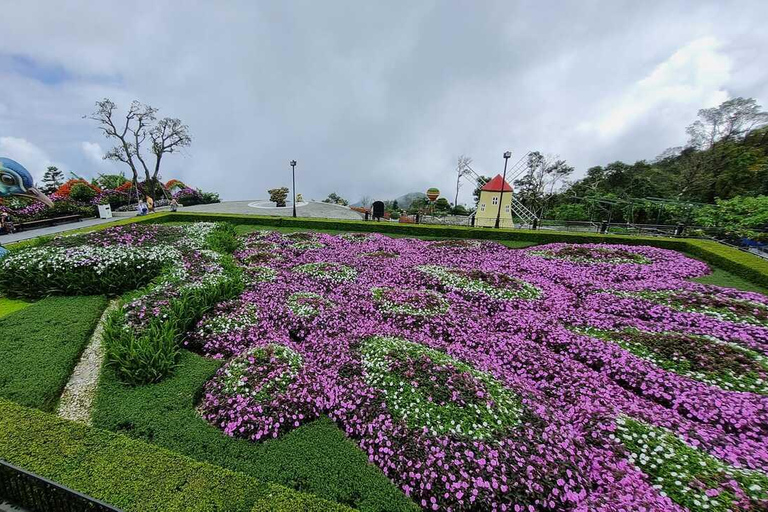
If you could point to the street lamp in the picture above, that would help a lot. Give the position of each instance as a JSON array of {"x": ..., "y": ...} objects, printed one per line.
[
  {"x": 507, "y": 154},
  {"x": 293, "y": 171}
]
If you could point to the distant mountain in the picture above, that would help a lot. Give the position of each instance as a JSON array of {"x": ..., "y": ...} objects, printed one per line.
[{"x": 403, "y": 201}]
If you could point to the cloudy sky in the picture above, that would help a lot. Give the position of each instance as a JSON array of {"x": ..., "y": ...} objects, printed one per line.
[{"x": 372, "y": 98}]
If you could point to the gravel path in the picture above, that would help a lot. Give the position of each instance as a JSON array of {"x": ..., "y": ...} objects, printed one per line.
[{"x": 77, "y": 399}]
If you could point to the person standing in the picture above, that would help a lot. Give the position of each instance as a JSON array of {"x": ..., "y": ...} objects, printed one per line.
[{"x": 174, "y": 204}]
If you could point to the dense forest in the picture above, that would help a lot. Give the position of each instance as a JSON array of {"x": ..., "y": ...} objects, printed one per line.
[{"x": 719, "y": 179}]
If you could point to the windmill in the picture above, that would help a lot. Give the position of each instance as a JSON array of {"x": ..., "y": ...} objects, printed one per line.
[{"x": 518, "y": 208}]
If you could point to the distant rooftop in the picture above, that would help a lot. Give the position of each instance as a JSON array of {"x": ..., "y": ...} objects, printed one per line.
[{"x": 495, "y": 185}]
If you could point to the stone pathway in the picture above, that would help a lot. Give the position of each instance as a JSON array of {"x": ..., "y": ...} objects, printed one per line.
[
  {"x": 77, "y": 399},
  {"x": 52, "y": 230}
]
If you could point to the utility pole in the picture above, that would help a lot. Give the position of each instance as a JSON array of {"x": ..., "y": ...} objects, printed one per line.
[
  {"x": 293, "y": 169},
  {"x": 507, "y": 154}
]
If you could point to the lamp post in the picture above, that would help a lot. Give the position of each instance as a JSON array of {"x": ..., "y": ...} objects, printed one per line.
[
  {"x": 293, "y": 172},
  {"x": 507, "y": 154}
]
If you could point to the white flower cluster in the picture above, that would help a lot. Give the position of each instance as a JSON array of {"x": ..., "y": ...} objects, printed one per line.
[
  {"x": 225, "y": 323},
  {"x": 236, "y": 379},
  {"x": 100, "y": 259},
  {"x": 454, "y": 279},
  {"x": 722, "y": 314},
  {"x": 729, "y": 380},
  {"x": 475, "y": 420},
  {"x": 334, "y": 272},
  {"x": 197, "y": 234},
  {"x": 678, "y": 470},
  {"x": 382, "y": 298},
  {"x": 306, "y": 304}
]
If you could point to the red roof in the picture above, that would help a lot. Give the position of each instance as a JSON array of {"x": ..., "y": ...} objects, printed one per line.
[{"x": 495, "y": 185}]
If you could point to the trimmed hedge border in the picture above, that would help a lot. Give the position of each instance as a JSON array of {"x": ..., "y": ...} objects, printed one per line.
[
  {"x": 40, "y": 346},
  {"x": 131, "y": 474},
  {"x": 745, "y": 265}
]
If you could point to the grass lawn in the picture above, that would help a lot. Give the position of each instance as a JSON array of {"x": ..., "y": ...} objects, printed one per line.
[
  {"x": 8, "y": 306},
  {"x": 40, "y": 346},
  {"x": 720, "y": 277},
  {"x": 315, "y": 458}
]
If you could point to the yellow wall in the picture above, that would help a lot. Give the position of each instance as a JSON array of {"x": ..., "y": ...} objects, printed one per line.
[{"x": 487, "y": 210}]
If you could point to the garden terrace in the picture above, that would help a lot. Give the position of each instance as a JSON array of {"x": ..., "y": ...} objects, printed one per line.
[{"x": 436, "y": 368}]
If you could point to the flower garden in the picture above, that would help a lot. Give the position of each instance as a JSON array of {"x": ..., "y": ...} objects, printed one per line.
[
  {"x": 471, "y": 375},
  {"x": 80, "y": 197}
]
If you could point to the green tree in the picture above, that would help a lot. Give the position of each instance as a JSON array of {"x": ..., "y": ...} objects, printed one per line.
[
  {"x": 278, "y": 196},
  {"x": 110, "y": 181},
  {"x": 334, "y": 198},
  {"x": 481, "y": 181},
  {"x": 52, "y": 179}
]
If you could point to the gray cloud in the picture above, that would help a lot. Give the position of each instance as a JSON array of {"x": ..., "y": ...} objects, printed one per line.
[{"x": 371, "y": 98}]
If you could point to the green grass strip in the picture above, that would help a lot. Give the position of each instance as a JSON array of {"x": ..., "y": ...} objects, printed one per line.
[
  {"x": 8, "y": 306},
  {"x": 40, "y": 346},
  {"x": 316, "y": 458},
  {"x": 131, "y": 474}
]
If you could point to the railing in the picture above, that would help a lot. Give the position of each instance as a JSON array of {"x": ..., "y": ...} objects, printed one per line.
[{"x": 37, "y": 494}]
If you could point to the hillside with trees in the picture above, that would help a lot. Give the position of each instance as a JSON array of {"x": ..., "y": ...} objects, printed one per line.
[{"x": 718, "y": 179}]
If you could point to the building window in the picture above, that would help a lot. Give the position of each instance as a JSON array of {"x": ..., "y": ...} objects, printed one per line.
[
  {"x": 482, "y": 207},
  {"x": 507, "y": 208},
  {"x": 496, "y": 200}
]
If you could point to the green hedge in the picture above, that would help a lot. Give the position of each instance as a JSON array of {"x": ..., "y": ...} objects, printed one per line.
[
  {"x": 130, "y": 474},
  {"x": 316, "y": 458},
  {"x": 743, "y": 264},
  {"x": 40, "y": 346}
]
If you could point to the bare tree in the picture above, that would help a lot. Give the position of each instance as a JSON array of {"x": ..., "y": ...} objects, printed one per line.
[
  {"x": 732, "y": 119},
  {"x": 365, "y": 201},
  {"x": 462, "y": 164},
  {"x": 139, "y": 126}
]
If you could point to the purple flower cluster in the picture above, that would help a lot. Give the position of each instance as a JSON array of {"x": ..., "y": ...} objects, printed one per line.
[{"x": 530, "y": 363}]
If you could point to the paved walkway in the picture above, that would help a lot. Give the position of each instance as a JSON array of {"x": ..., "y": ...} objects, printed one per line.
[
  {"x": 311, "y": 209},
  {"x": 51, "y": 230}
]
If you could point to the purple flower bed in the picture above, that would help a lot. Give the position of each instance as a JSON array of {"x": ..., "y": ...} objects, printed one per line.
[{"x": 479, "y": 377}]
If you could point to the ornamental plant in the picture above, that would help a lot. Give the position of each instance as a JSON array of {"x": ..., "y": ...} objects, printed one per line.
[{"x": 479, "y": 377}]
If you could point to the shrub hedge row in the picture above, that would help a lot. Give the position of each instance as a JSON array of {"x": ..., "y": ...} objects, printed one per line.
[
  {"x": 745, "y": 265},
  {"x": 40, "y": 346},
  {"x": 133, "y": 475},
  {"x": 316, "y": 458}
]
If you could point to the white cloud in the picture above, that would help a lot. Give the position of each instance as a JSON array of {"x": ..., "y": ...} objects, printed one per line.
[
  {"x": 34, "y": 159},
  {"x": 693, "y": 77},
  {"x": 93, "y": 151}
]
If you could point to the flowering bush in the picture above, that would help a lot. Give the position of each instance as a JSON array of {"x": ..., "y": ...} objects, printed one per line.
[
  {"x": 66, "y": 189},
  {"x": 479, "y": 377}
]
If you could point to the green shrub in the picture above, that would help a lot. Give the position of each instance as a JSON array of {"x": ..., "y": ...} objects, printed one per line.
[
  {"x": 82, "y": 193},
  {"x": 127, "y": 473},
  {"x": 149, "y": 353},
  {"x": 316, "y": 458},
  {"x": 224, "y": 239},
  {"x": 40, "y": 345}
]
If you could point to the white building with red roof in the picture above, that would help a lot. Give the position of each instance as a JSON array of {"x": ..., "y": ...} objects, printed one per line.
[{"x": 495, "y": 199}]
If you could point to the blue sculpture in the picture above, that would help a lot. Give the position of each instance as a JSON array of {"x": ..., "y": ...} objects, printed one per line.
[{"x": 15, "y": 180}]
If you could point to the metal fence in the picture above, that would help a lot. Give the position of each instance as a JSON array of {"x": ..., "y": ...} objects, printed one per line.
[{"x": 37, "y": 494}]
